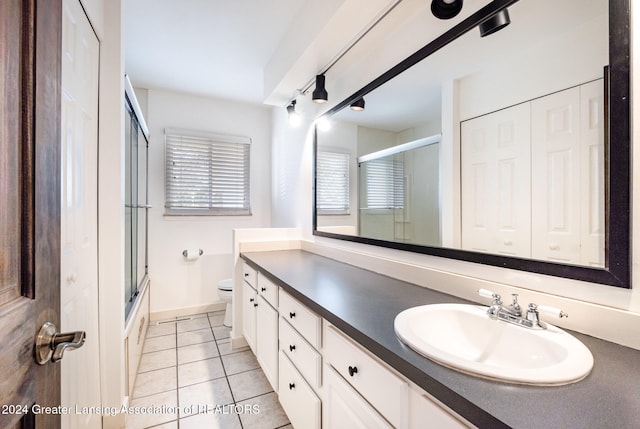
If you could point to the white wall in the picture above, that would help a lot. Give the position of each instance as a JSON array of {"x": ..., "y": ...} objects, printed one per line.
[
  {"x": 547, "y": 66},
  {"x": 613, "y": 306},
  {"x": 176, "y": 284}
]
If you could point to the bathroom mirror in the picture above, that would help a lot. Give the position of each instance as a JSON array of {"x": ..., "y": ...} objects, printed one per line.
[{"x": 494, "y": 184}]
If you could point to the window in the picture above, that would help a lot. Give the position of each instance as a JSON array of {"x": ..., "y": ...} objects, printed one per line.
[
  {"x": 384, "y": 179},
  {"x": 206, "y": 174},
  {"x": 332, "y": 183}
]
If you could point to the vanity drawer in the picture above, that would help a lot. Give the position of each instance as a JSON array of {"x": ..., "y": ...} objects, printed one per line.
[
  {"x": 298, "y": 399},
  {"x": 387, "y": 392},
  {"x": 306, "y": 322},
  {"x": 268, "y": 290},
  {"x": 249, "y": 275},
  {"x": 304, "y": 357},
  {"x": 343, "y": 407}
]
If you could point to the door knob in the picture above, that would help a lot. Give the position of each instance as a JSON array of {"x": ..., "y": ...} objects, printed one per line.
[{"x": 50, "y": 344}]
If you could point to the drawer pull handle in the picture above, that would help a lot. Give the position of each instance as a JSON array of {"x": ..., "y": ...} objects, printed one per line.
[
  {"x": 246, "y": 274},
  {"x": 292, "y": 386},
  {"x": 292, "y": 348},
  {"x": 263, "y": 289},
  {"x": 292, "y": 315},
  {"x": 353, "y": 370},
  {"x": 255, "y": 304},
  {"x": 250, "y": 299}
]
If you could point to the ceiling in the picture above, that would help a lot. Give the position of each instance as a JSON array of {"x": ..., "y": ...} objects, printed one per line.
[{"x": 216, "y": 48}]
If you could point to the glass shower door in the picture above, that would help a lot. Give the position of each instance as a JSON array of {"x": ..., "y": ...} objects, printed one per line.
[{"x": 135, "y": 208}]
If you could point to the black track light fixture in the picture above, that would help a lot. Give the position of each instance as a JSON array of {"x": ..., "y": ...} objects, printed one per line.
[
  {"x": 446, "y": 9},
  {"x": 320, "y": 93},
  {"x": 358, "y": 104},
  {"x": 495, "y": 23},
  {"x": 294, "y": 117}
]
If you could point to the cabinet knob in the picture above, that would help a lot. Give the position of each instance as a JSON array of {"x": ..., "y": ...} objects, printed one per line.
[
  {"x": 246, "y": 274},
  {"x": 250, "y": 299},
  {"x": 263, "y": 289},
  {"x": 292, "y": 348},
  {"x": 292, "y": 386},
  {"x": 292, "y": 315},
  {"x": 255, "y": 304},
  {"x": 353, "y": 370}
]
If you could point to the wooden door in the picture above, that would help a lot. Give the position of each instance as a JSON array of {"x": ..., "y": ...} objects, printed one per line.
[{"x": 30, "y": 34}]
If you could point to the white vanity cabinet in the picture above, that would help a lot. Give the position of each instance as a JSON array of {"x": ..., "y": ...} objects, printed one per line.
[
  {"x": 424, "y": 411},
  {"x": 362, "y": 391},
  {"x": 297, "y": 398},
  {"x": 300, "y": 363},
  {"x": 249, "y": 312},
  {"x": 343, "y": 407},
  {"x": 325, "y": 379},
  {"x": 387, "y": 392},
  {"x": 260, "y": 320},
  {"x": 267, "y": 329}
]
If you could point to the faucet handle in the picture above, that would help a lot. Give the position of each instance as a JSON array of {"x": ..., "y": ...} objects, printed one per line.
[
  {"x": 488, "y": 294},
  {"x": 552, "y": 311},
  {"x": 515, "y": 306},
  {"x": 514, "y": 297}
]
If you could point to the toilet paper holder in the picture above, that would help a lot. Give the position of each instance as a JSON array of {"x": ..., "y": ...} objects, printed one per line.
[{"x": 185, "y": 252}]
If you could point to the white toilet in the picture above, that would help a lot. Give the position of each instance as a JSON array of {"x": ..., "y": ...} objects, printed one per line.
[{"x": 225, "y": 292}]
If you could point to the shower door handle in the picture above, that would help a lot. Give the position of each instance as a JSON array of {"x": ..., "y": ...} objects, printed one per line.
[{"x": 51, "y": 344}]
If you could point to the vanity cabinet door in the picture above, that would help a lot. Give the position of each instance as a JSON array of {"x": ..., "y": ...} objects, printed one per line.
[
  {"x": 249, "y": 310},
  {"x": 267, "y": 340},
  {"x": 425, "y": 411},
  {"x": 299, "y": 400},
  {"x": 382, "y": 388},
  {"x": 345, "y": 408}
]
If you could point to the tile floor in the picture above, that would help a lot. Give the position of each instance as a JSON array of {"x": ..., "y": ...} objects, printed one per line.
[{"x": 190, "y": 378}]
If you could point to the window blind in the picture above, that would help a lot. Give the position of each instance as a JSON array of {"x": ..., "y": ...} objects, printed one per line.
[
  {"x": 385, "y": 183},
  {"x": 332, "y": 183},
  {"x": 206, "y": 174}
]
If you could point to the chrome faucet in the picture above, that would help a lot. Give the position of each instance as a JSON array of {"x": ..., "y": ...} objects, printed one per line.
[{"x": 513, "y": 313}]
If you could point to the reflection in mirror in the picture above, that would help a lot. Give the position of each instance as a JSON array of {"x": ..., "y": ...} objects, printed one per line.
[
  {"x": 519, "y": 170},
  {"x": 399, "y": 191}
]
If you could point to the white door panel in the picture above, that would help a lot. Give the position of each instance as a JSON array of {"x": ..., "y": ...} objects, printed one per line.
[
  {"x": 496, "y": 215},
  {"x": 79, "y": 229},
  {"x": 592, "y": 172},
  {"x": 555, "y": 148}
]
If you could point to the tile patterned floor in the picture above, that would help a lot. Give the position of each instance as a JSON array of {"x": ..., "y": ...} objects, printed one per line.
[{"x": 189, "y": 377}]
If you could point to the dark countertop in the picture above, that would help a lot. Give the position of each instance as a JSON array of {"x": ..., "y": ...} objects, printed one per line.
[{"x": 364, "y": 304}]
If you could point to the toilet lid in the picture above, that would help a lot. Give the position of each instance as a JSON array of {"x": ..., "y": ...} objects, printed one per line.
[{"x": 226, "y": 284}]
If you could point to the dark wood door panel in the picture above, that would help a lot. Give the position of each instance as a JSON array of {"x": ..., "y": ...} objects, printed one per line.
[{"x": 30, "y": 39}]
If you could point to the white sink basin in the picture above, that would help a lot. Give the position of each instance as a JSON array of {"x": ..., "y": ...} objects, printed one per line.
[{"x": 463, "y": 337}]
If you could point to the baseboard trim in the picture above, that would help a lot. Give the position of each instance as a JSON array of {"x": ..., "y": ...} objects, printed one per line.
[
  {"x": 186, "y": 311},
  {"x": 238, "y": 342}
]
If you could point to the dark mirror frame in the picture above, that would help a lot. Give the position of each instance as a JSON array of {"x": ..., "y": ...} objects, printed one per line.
[{"x": 617, "y": 270}]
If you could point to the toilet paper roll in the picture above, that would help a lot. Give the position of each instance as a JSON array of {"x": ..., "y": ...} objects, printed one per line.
[{"x": 192, "y": 254}]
